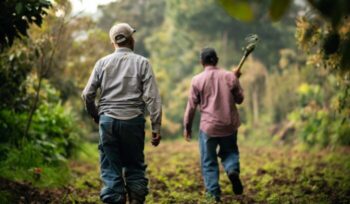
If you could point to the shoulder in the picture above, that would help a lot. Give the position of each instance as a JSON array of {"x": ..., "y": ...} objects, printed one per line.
[
  {"x": 104, "y": 59},
  {"x": 139, "y": 58},
  {"x": 107, "y": 57},
  {"x": 223, "y": 71},
  {"x": 197, "y": 78},
  {"x": 228, "y": 74}
]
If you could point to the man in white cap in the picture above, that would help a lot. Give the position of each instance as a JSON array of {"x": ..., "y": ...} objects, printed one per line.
[{"x": 128, "y": 86}]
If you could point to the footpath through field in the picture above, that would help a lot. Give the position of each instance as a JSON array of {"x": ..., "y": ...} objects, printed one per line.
[{"x": 270, "y": 175}]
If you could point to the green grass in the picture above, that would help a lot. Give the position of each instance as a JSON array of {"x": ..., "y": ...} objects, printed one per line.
[
  {"x": 271, "y": 174},
  {"x": 20, "y": 166},
  {"x": 5, "y": 197}
]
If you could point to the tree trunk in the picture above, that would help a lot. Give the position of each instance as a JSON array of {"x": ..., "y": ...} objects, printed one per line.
[
  {"x": 255, "y": 100},
  {"x": 37, "y": 95}
]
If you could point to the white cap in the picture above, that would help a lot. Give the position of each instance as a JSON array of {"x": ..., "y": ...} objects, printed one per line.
[{"x": 120, "y": 32}]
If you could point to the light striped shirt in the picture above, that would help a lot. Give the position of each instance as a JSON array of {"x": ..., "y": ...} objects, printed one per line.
[{"x": 127, "y": 85}]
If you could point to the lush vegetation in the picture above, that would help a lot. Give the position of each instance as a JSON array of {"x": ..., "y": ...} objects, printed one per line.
[
  {"x": 270, "y": 174},
  {"x": 296, "y": 83}
]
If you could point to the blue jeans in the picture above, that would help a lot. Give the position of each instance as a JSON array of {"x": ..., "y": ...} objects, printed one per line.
[
  {"x": 229, "y": 154},
  {"x": 122, "y": 162}
]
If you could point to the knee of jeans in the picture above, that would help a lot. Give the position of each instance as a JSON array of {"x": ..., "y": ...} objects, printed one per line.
[
  {"x": 135, "y": 169},
  {"x": 232, "y": 169},
  {"x": 210, "y": 162}
]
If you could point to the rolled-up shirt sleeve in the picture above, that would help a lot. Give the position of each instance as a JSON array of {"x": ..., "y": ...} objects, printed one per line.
[
  {"x": 151, "y": 97},
  {"x": 238, "y": 93},
  {"x": 89, "y": 92},
  {"x": 193, "y": 101},
  {"x": 236, "y": 88}
]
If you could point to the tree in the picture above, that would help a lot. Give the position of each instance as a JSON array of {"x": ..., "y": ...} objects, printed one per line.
[
  {"x": 32, "y": 114},
  {"x": 17, "y": 15},
  {"x": 254, "y": 83},
  {"x": 324, "y": 30},
  {"x": 145, "y": 16}
]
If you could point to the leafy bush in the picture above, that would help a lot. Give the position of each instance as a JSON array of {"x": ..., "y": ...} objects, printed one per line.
[
  {"x": 15, "y": 65},
  {"x": 54, "y": 131},
  {"x": 53, "y": 137},
  {"x": 53, "y": 126},
  {"x": 317, "y": 124},
  {"x": 23, "y": 164},
  {"x": 11, "y": 126}
]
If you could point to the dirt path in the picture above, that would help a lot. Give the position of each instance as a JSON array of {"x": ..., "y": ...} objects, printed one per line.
[{"x": 270, "y": 175}]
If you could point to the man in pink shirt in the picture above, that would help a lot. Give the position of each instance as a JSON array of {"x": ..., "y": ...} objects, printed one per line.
[{"x": 216, "y": 91}]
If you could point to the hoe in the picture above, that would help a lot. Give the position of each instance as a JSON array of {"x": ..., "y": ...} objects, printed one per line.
[{"x": 251, "y": 41}]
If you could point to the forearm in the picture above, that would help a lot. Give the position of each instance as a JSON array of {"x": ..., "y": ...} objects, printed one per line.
[
  {"x": 188, "y": 118},
  {"x": 90, "y": 106},
  {"x": 89, "y": 93},
  {"x": 239, "y": 97},
  {"x": 91, "y": 109},
  {"x": 152, "y": 98},
  {"x": 237, "y": 90},
  {"x": 154, "y": 107}
]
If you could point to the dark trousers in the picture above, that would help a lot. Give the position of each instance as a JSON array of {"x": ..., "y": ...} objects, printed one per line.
[{"x": 122, "y": 163}]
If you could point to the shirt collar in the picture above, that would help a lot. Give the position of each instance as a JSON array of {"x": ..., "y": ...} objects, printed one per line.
[
  {"x": 123, "y": 49},
  {"x": 209, "y": 67}
]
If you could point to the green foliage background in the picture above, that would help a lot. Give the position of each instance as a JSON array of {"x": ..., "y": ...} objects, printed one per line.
[{"x": 296, "y": 85}]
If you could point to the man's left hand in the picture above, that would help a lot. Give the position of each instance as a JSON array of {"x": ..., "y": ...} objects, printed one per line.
[
  {"x": 156, "y": 139},
  {"x": 187, "y": 135}
]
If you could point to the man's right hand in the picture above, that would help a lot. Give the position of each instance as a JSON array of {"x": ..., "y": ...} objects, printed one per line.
[
  {"x": 156, "y": 139},
  {"x": 96, "y": 119},
  {"x": 187, "y": 135},
  {"x": 237, "y": 73}
]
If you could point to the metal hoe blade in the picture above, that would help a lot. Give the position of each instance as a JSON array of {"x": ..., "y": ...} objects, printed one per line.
[{"x": 251, "y": 40}]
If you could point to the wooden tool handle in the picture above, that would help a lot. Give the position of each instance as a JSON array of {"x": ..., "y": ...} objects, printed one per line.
[{"x": 241, "y": 63}]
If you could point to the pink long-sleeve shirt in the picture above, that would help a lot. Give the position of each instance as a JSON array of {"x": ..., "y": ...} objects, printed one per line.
[{"x": 215, "y": 91}]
